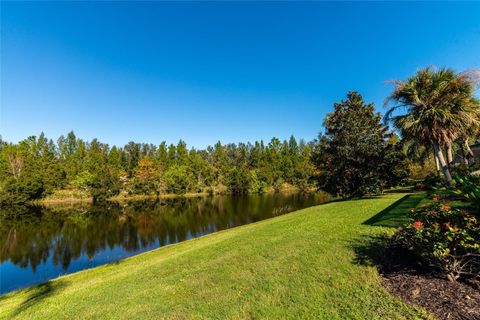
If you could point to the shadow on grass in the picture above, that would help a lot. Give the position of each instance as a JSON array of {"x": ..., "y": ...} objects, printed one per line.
[
  {"x": 369, "y": 250},
  {"x": 388, "y": 258},
  {"x": 400, "y": 190},
  {"x": 37, "y": 293},
  {"x": 42, "y": 291},
  {"x": 394, "y": 215}
]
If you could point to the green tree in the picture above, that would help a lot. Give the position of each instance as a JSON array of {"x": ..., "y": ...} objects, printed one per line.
[
  {"x": 439, "y": 105},
  {"x": 353, "y": 154},
  {"x": 68, "y": 157},
  {"x": 303, "y": 170},
  {"x": 219, "y": 160},
  {"x": 182, "y": 153},
  {"x": 178, "y": 179},
  {"x": 271, "y": 165},
  {"x": 132, "y": 157},
  {"x": 161, "y": 155},
  {"x": 103, "y": 182},
  {"x": 238, "y": 180},
  {"x": 30, "y": 170},
  {"x": 202, "y": 171}
]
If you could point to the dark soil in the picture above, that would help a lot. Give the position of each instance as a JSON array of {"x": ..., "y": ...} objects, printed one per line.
[{"x": 403, "y": 277}]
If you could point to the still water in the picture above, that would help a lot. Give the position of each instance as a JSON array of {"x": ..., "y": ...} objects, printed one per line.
[{"x": 38, "y": 243}]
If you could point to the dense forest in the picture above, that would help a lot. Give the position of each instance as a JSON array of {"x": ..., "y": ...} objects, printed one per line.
[
  {"x": 356, "y": 151},
  {"x": 37, "y": 166}
]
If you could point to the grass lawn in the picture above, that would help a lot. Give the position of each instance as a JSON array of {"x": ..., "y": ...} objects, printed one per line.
[{"x": 299, "y": 265}]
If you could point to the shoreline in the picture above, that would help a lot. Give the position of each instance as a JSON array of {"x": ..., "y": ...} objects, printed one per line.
[
  {"x": 124, "y": 198},
  {"x": 118, "y": 198}
]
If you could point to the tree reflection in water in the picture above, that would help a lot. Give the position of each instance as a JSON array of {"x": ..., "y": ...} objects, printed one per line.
[{"x": 32, "y": 236}]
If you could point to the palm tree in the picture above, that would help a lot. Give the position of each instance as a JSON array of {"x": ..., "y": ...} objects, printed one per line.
[
  {"x": 439, "y": 104},
  {"x": 469, "y": 133},
  {"x": 419, "y": 152}
]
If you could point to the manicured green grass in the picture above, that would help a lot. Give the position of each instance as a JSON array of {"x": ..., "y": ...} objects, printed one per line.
[
  {"x": 394, "y": 215},
  {"x": 300, "y": 265}
]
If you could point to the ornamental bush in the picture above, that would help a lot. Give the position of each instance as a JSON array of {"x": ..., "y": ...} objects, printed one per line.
[
  {"x": 467, "y": 187},
  {"x": 432, "y": 182},
  {"x": 444, "y": 239}
]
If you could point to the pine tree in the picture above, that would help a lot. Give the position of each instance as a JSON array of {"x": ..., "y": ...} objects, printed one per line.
[{"x": 353, "y": 154}]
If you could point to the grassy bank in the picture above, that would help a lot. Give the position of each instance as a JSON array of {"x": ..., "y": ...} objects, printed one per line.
[
  {"x": 133, "y": 197},
  {"x": 300, "y": 265},
  {"x": 72, "y": 196},
  {"x": 59, "y": 200}
]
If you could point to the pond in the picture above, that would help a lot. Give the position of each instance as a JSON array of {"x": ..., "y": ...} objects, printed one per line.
[{"x": 40, "y": 243}]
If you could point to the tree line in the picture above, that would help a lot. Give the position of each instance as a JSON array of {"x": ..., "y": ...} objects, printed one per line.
[
  {"x": 37, "y": 166},
  {"x": 355, "y": 155}
]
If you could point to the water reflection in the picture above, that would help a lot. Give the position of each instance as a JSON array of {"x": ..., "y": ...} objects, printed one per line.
[{"x": 40, "y": 243}]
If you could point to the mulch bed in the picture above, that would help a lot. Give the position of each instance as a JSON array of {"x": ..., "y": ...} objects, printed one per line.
[{"x": 403, "y": 277}]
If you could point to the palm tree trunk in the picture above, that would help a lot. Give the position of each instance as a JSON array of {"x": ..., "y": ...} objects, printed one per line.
[
  {"x": 437, "y": 163},
  {"x": 443, "y": 164},
  {"x": 469, "y": 152},
  {"x": 449, "y": 153},
  {"x": 464, "y": 153},
  {"x": 465, "y": 159}
]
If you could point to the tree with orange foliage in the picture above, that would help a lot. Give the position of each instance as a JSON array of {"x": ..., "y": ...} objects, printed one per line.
[{"x": 148, "y": 177}]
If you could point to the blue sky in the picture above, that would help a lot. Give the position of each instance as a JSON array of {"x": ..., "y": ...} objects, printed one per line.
[{"x": 204, "y": 72}]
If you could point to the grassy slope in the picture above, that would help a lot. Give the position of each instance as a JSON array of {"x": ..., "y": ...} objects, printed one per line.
[{"x": 300, "y": 265}]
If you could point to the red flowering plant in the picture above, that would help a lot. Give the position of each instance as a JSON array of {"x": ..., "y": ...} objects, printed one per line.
[{"x": 444, "y": 238}]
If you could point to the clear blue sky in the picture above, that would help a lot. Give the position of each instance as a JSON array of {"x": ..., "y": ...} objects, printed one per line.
[{"x": 204, "y": 72}]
